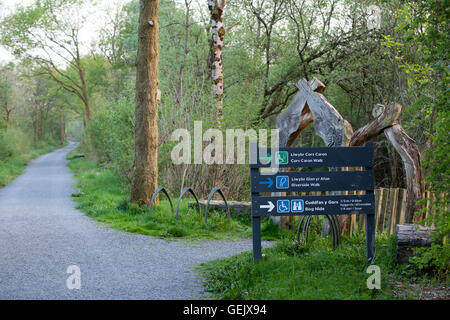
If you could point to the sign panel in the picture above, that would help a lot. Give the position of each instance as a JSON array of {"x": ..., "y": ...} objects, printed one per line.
[
  {"x": 282, "y": 182},
  {"x": 313, "y": 205},
  {"x": 315, "y": 157},
  {"x": 312, "y": 181}
]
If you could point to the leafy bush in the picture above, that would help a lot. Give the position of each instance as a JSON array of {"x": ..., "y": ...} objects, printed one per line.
[
  {"x": 113, "y": 129},
  {"x": 13, "y": 142},
  {"x": 434, "y": 261}
]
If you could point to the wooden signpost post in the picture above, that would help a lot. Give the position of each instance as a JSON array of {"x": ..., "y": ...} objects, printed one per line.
[{"x": 313, "y": 181}]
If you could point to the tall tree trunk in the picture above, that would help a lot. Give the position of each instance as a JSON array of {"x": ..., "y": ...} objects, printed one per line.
[
  {"x": 42, "y": 124},
  {"x": 36, "y": 114},
  {"x": 216, "y": 45},
  {"x": 61, "y": 128},
  {"x": 36, "y": 124},
  {"x": 85, "y": 94},
  {"x": 179, "y": 89},
  {"x": 145, "y": 170},
  {"x": 8, "y": 112},
  {"x": 83, "y": 87}
]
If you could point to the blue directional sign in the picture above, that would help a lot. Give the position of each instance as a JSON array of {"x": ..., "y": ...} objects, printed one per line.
[
  {"x": 283, "y": 206},
  {"x": 297, "y": 206},
  {"x": 282, "y": 182},
  {"x": 313, "y": 205},
  {"x": 313, "y": 181}
]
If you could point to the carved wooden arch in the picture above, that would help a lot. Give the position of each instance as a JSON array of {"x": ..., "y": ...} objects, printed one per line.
[{"x": 309, "y": 105}]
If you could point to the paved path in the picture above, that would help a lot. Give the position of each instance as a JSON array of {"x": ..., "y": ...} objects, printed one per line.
[{"x": 41, "y": 234}]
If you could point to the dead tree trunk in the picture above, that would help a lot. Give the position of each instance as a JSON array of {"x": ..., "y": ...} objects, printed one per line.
[
  {"x": 179, "y": 87},
  {"x": 218, "y": 32},
  {"x": 36, "y": 114},
  {"x": 412, "y": 161},
  {"x": 386, "y": 121},
  {"x": 385, "y": 117},
  {"x": 308, "y": 106},
  {"x": 145, "y": 170}
]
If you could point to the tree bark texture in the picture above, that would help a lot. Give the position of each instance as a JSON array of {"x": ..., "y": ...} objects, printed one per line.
[
  {"x": 386, "y": 121},
  {"x": 385, "y": 118},
  {"x": 218, "y": 32},
  {"x": 145, "y": 169},
  {"x": 61, "y": 128},
  {"x": 408, "y": 238},
  {"x": 309, "y": 105},
  {"x": 412, "y": 162}
]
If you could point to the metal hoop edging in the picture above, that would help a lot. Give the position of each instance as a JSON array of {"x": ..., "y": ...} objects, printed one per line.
[
  {"x": 185, "y": 190},
  {"x": 154, "y": 196},
  {"x": 213, "y": 191}
]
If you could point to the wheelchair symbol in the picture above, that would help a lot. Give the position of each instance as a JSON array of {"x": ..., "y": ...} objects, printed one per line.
[{"x": 283, "y": 206}]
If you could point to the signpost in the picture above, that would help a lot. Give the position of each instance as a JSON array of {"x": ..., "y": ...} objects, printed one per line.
[{"x": 313, "y": 181}]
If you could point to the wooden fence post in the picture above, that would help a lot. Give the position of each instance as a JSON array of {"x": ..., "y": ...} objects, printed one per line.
[
  {"x": 362, "y": 217},
  {"x": 393, "y": 210},
  {"x": 403, "y": 207},
  {"x": 385, "y": 193},
  {"x": 428, "y": 206},
  {"x": 389, "y": 211},
  {"x": 378, "y": 202}
]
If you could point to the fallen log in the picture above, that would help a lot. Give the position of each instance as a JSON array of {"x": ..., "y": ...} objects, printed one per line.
[{"x": 409, "y": 238}]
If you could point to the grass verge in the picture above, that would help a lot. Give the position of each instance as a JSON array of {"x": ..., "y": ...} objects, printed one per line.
[
  {"x": 315, "y": 271},
  {"x": 102, "y": 197},
  {"x": 287, "y": 271},
  {"x": 13, "y": 167},
  {"x": 290, "y": 271}
]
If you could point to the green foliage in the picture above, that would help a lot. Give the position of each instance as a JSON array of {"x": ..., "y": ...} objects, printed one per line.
[
  {"x": 113, "y": 129},
  {"x": 13, "y": 142},
  {"x": 406, "y": 61},
  {"x": 433, "y": 261},
  {"x": 424, "y": 25},
  {"x": 103, "y": 198},
  {"x": 290, "y": 271}
]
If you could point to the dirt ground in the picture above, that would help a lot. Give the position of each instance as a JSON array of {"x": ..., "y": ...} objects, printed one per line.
[{"x": 421, "y": 291}]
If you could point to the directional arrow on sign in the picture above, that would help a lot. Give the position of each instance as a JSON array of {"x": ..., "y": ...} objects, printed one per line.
[
  {"x": 268, "y": 182},
  {"x": 269, "y": 206},
  {"x": 267, "y": 159}
]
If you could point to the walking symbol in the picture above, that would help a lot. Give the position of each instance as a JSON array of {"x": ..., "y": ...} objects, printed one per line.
[
  {"x": 282, "y": 182},
  {"x": 282, "y": 157}
]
